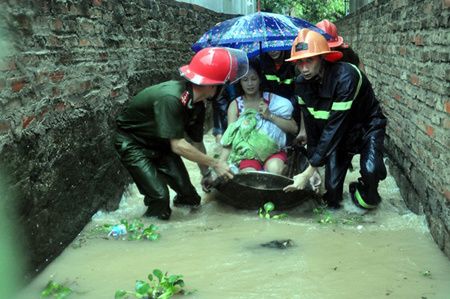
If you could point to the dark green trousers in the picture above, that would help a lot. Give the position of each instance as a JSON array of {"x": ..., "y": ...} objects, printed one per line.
[{"x": 153, "y": 170}]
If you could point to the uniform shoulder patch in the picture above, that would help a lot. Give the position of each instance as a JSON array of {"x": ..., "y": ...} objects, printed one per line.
[{"x": 184, "y": 98}]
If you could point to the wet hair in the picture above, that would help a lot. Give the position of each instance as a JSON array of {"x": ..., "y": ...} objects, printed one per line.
[{"x": 253, "y": 63}]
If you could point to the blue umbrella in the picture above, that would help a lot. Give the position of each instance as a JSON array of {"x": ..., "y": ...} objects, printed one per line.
[{"x": 256, "y": 33}]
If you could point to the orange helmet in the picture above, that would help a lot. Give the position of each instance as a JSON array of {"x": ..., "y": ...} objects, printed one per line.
[
  {"x": 310, "y": 43},
  {"x": 331, "y": 29},
  {"x": 216, "y": 66}
]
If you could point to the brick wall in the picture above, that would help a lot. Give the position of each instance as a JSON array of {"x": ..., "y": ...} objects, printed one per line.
[
  {"x": 405, "y": 48},
  {"x": 66, "y": 69}
]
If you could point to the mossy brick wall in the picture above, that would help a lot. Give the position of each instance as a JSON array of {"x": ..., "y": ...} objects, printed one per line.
[
  {"x": 405, "y": 48},
  {"x": 67, "y": 68}
]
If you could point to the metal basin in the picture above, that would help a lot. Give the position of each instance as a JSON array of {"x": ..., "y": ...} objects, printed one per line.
[{"x": 251, "y": 190}]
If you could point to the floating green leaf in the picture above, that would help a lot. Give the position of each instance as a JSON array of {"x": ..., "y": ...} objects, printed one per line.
[
  {"x": 425, "y": 273},
  {"x": 59, "y": 291},
  {"x": 269, "y": 207},
  {"x": 165, "y": 287}
]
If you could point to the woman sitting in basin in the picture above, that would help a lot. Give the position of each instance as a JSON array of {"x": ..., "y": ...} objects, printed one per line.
[{"x": 257, "y": 127}]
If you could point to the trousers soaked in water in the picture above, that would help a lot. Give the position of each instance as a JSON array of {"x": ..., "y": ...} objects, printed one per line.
[
  {"x": 372, "y": 169},
  {"x": 153, "y": 170}
]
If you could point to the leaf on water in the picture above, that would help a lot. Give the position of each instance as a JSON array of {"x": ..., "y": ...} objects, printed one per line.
[
  {"x": 172, "y": 278},
  {"x": 142, "y": 287},
  {"x": 120, "y": 293},
  {"x": 269, "y": 206},
  {"x": 46, "y": 293},
  {"x": 158, "y": 273},
  {"x": 65, "y": 291},
  {"x": 317, "y": 211},
  {"x": 425, "y": 273}
]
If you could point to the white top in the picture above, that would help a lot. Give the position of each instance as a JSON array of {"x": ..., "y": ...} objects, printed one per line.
[{"x": 278, "y": 106}]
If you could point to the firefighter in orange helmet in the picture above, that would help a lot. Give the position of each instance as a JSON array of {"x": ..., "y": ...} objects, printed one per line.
[
  {"x": 342, "y": 118},
  {"x": 151, "y": 129}
]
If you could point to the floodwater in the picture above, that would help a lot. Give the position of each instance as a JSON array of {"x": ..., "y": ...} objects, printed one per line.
[{"x": 387, "y": 253}]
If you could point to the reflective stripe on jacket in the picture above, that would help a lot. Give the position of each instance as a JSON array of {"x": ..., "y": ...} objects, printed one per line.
[{"x": 339, "y": 111}]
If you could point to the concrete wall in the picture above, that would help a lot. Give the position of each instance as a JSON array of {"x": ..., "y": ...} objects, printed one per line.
[
  {"x": 238, "y": 7},
  {"x": 67, "y": 67},
  {"x": 405, "y": 48}
]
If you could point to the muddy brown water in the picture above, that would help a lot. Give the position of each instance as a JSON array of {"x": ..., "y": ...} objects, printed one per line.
[{"x": 218, "y": 251}]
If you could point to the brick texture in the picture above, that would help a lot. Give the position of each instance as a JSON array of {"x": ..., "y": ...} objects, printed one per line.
[
  {"x": 66, "y": 70},
  {"x": 404, "y": 46}
]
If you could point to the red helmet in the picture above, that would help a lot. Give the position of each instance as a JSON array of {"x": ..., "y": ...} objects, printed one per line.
[
  {"x": 216, "y": 66},
  {"x": 331, "y": 29}
]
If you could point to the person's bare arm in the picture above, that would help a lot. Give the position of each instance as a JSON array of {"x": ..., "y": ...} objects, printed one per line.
[
  {"x": 232, "y": 114},
  {"x": 225, "y": 153},
  {"x": 301, "y": 180},
  {"x": 185, "y": 149},
  {"x": 200, "y": 146},
  {"x": 287, "y": 125}
]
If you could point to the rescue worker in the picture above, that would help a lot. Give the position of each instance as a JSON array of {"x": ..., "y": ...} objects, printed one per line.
[
  {"x": 342, "y": 118},
  {"x": 150, "y": 138},
  {"x": 337, "y": 44},
  {"x": 279, "y": 77},
  {"x": 278, "y": 74}
]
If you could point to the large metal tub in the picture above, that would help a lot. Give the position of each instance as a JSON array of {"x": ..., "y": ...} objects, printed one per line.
[{"x": 251, "y": 190}]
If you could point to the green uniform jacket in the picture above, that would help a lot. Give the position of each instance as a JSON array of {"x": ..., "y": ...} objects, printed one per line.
[{"x": 163, "y": 112}]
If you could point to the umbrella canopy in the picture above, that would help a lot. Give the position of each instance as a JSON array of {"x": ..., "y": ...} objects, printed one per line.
[{"x": 253, "y": 33}]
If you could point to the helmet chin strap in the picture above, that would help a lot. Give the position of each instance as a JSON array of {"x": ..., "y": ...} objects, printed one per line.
[{"x": 189, "y": 103}]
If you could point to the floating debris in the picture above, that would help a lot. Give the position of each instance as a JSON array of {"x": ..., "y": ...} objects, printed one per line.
[
  {"x": 118, "y": 230},
  {"x": 283, "y": 244}
]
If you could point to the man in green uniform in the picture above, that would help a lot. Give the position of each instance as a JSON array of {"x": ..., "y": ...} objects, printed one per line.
[{"x": 151, "y": 130}]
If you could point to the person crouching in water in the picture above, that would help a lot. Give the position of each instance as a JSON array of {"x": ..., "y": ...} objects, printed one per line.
[
  {"x": 257, "y": 126},
  {"x": 150, "y": 135},
  {"x": 342, "y": 118}
]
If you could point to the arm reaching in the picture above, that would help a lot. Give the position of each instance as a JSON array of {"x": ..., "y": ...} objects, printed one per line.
[
  {"x": 301, "y": 180},
  {"x": 185, "y": 149},
  {"x": 200, "y": 146}
]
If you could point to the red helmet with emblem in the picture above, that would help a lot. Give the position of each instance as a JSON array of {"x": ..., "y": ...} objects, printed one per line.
[
  {"x": 216, "y": 66},
  {"x": 331, "y": 29}
]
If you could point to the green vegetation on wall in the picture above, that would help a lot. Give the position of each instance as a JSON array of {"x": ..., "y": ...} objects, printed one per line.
[{"x": 312, "y": 11}]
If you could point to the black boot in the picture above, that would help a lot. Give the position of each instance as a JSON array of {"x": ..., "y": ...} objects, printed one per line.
[
  {"x": 150, "y": 213},
  {"x": 182, "y": 202},
  {"x": 358, "y": 195}
]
